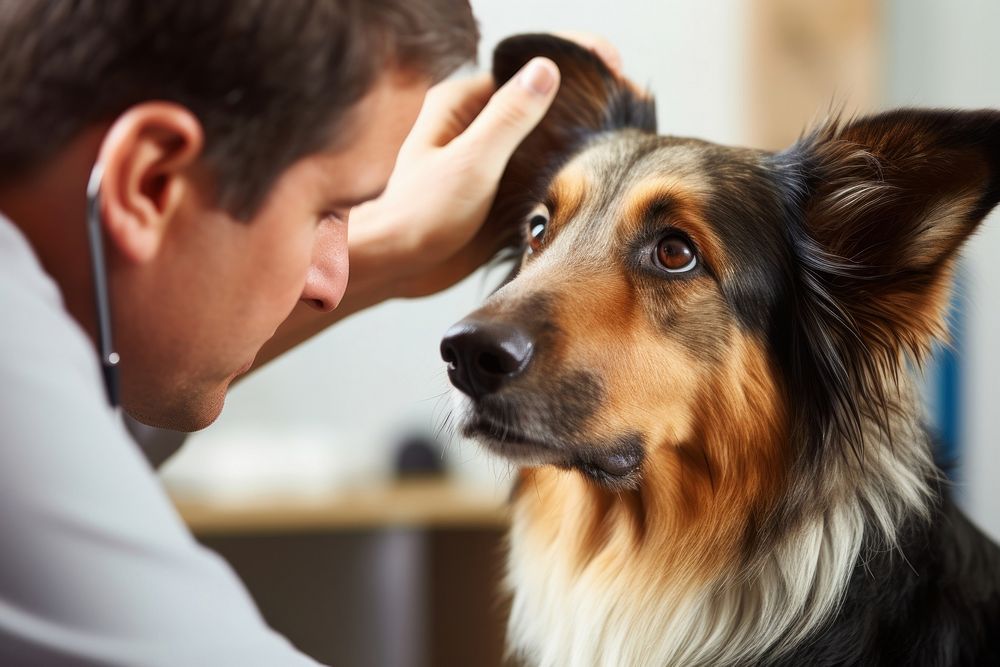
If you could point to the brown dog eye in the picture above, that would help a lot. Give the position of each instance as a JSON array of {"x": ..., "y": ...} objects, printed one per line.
[
  {"x": 674, "y": 254},
  {"x": 538, "y": 221}
]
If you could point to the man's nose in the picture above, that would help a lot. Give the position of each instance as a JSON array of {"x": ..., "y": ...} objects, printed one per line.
[
  {"x": 484, "y": 356},
  {"x": 326, "y": 279}
]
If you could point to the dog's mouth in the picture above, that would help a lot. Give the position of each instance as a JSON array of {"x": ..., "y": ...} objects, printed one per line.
[
  {"x": 614, "y": 463},
  {"x": 511, "y": 442}
]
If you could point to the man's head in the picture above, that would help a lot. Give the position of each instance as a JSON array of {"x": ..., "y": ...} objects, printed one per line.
[{"x": 235, "y": 135}]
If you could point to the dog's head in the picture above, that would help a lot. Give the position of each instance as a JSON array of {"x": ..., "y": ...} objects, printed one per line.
[{"x": 708, "y": 311}]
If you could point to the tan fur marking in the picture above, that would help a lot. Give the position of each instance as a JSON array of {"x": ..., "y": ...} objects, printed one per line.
[
  {"x": 713, "y": 456},
  {"x": 567, "y": 193},
  {"x": 686, "y": 196},
  {"x": 941, "y": 228}
]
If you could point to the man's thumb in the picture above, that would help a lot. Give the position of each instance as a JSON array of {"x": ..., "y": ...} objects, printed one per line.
[{"x": 513, "y": 111}]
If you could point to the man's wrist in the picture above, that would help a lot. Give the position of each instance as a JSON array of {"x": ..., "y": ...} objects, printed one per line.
[{"x": 381, "y": 257}]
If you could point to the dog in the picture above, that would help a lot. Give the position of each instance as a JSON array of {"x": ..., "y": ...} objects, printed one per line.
[{"x": 702, "y": 366}]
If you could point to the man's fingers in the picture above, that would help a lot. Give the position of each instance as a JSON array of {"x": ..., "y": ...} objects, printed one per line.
[
  {"x": 513, "y": 111},
  {"x": 449, "y": 108}
]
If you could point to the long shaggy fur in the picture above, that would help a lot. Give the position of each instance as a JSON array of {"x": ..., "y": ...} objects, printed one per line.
[{"x": 730, "y": 467}]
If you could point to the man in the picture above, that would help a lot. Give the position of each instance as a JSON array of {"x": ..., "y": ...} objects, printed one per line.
[{"x": 225, "y": 142}]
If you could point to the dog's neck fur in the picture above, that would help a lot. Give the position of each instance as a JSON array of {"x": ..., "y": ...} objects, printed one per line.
[{"x": 617, "y": 579}]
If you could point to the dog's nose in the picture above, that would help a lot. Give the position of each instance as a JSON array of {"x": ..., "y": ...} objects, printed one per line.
[{"x": 483, "y": 356}]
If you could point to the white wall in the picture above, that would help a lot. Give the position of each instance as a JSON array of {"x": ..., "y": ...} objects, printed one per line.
[
  {"x": 688, "y": 53},
  {"x": 331, "y": 409},
  {"x": 947, "y": 54}
]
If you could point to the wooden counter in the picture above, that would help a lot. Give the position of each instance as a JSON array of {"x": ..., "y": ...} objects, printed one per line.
[{"x": 416, "y": 504}]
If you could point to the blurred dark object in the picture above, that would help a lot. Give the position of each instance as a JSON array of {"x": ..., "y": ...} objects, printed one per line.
[
  {"x": 418, "y": 456},
  {"x": 401, "y": 574},
  {"x": 389, "y": 597}
]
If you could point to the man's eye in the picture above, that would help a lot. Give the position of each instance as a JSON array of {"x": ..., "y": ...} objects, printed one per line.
[{"x": 537, "y": 222}]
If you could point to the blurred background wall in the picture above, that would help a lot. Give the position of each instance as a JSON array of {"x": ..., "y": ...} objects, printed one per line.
[
  {"x": 751, "y": 72},
  {"x": 946, "y": 54}
]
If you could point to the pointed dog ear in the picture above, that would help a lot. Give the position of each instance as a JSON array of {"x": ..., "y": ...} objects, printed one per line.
[
  {"x": 591, "y": 100},
  {"x": 882, "y": 207},
  {"x": 892, "y": 199}
]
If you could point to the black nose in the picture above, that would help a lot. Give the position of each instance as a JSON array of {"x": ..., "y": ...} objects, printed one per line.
[{"x": 483, "y": 356}]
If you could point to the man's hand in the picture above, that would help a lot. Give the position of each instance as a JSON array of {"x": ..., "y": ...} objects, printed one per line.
[
  {"x": 425, "y": 232},
  {"x": 420, "y": 236}
]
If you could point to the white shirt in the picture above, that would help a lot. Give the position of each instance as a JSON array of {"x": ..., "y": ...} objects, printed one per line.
[{"x": 96, "y": 567}]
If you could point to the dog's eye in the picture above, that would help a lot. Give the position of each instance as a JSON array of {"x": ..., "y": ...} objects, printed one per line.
[
  {"x": 675, "y": 255},
  {"x": 537, "y": 222}
]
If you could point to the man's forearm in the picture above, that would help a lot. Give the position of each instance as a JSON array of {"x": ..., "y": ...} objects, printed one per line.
[{"x": 305, "y": 322}]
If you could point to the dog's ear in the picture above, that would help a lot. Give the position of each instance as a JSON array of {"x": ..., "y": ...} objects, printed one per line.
[
  {"x": 882, "y": 207},
  {"x": 591, "y": 100}
]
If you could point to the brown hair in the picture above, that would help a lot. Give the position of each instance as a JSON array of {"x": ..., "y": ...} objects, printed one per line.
[{"x": 269, "y": 81}]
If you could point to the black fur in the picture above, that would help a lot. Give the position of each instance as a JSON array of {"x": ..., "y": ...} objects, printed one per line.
[{"x": 934, "y": 602}]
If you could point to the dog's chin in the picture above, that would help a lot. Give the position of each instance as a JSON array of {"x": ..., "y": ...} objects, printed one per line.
[{"x": 615, "y": 465}]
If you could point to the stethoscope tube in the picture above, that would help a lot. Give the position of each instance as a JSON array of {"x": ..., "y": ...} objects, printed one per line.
[{"x": 105, "y": 347}]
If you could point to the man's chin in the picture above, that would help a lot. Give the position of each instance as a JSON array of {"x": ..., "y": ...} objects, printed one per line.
[{"x": 191, "y": 412}]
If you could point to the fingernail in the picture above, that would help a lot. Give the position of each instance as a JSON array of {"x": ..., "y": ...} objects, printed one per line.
[{"x": 538, "y": 76}]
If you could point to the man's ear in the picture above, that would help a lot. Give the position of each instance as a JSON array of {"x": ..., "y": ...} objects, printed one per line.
[
  {"x": 879, "y": 208},
  {"x": 144, "y": 157},
  {"x": 591, "y": 100}
]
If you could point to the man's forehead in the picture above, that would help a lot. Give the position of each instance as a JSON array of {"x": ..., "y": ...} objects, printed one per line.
[
  {"x": 360, "y": 158},
  {"x": 350, "y": 180}
]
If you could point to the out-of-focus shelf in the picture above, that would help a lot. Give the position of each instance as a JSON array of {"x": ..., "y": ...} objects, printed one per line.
[{"x": 418, "y": 504}]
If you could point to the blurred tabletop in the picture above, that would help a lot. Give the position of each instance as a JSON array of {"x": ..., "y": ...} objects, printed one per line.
[{"x": 407, "y": 504}]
